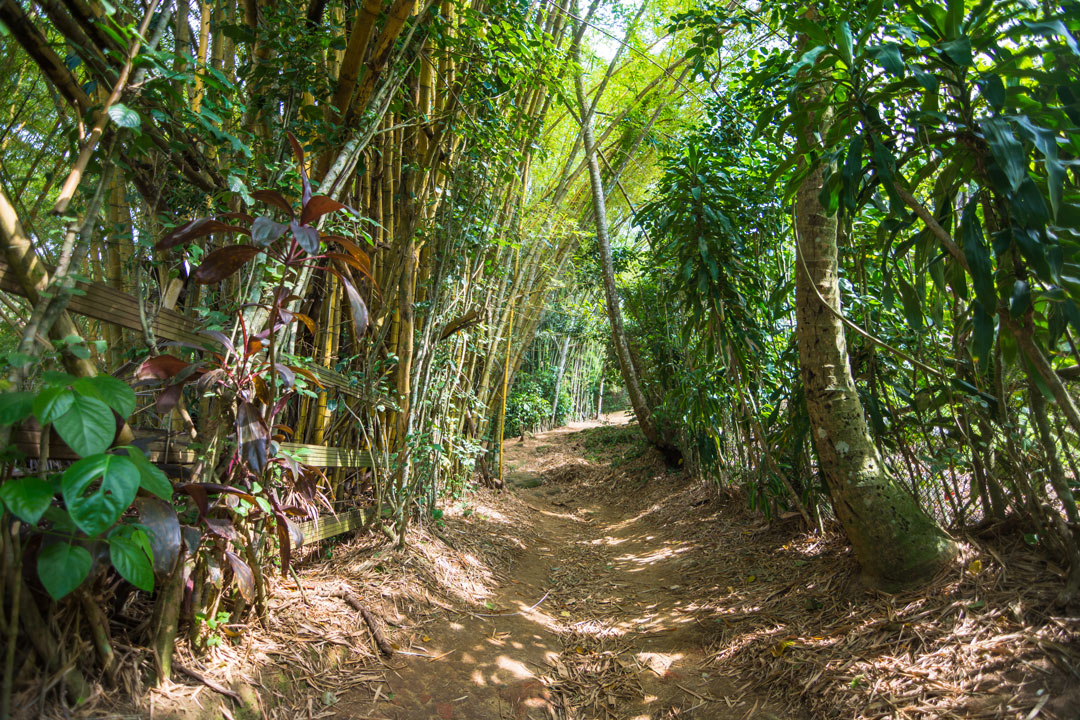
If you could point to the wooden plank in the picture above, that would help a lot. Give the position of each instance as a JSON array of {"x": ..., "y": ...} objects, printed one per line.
[
  {"x": 28, "y": 440},
  {"x": 327, "y": 526},
  {"x": 159, "y": 449},
  {"x": 98, "y": 301},
  {"x": 322, "y": 456},
  {"x": 102, "y": 302}
]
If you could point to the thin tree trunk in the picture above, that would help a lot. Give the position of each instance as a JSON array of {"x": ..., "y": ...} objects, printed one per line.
[
  {"x": 896, "y": 543},
  {"x": 637, "y": 398}
]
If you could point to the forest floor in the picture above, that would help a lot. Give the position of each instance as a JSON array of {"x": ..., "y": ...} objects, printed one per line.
[{"x": 602, "y": 584}]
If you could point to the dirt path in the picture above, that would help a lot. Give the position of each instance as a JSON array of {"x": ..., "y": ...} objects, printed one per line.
[{"x": 592, "y": 623}]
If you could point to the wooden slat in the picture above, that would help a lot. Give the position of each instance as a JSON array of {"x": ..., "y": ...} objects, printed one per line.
[
  {"x": 322, "y": 456},
  {"x": 327, "y": 526},
  {"x": 102, "y": 302},
  {"x": 159, "y": 451}
]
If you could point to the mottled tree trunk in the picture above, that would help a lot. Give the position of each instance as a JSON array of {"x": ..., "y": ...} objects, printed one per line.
[{"x": 896, "y": 543}]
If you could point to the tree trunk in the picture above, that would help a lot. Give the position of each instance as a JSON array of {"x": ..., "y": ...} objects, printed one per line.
[
  {"x": 622, "y": 351},
  {"x": 896, "y": 543},
  {"x": 558, "y": 379}
]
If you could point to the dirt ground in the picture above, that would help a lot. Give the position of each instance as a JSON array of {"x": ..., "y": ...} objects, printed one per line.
[
  {"x": 602, "y": 584},
  {"x": 594, "y": 621}
]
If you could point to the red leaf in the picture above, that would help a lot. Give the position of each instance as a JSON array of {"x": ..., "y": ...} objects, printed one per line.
[
  {"x": 222, "y": 263},
  {"x": 307, "y": 322},
  {"x": 298, "y": 151},
  {"x": 222, "y": 528},
  {"x": 358, "y": 307},
  {"x": 169, "y": 398},
  {"x": 197, "y": 228},
  {"x": 237, "y": 216},
  {"x": 352, "y": 261},
  {"x": 284, "y": 542},
  {"x": 160, "y": 367},
  {"x": 273, "y": 197},
  {"x": 245, "y": 579},
  {"x": 318, "y": 206},
  {"x": 304, "y": 372},
  {"x": 253, "y": 436}
]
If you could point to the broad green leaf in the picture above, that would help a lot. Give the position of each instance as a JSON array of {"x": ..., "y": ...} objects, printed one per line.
[
  {"x": 151, "y": 478},
  {"x": 124, "y": 116},
  {"x": 888, "y": 57},
  {"x": 843, "y": 41},
  {"x": 88, "y": 427},
  {"x": 27, "y": 497},
  {"x": 15, "y": 407},
  {"x": 51, "y": 403},
  {"x": 62, "y": 567},
  {"x": 115, "y": 393},
  {"x": 982, "y": 340},
  {"x": 978, "y": 256},
  {"x": 94, "y": 506},
  {"x": 1007, "y": 151},
  {"x": 958, "y": 50},
  {"x": 129, "y": 550},
  {"x": 1020, "y": 300}
]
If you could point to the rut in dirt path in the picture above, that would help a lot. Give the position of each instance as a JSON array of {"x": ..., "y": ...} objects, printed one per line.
[{"x": 592, "y": 623}]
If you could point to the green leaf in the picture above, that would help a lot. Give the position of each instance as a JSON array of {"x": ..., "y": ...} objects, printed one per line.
[
  {"x": 124, "y": 116},
  {"x": 15, "y": 407},
  {"x": 993, "y": 90},
  {"x": 62, "y": 568},
  {"x": 912, "y": 307},
  {"x": 129, "y": 550},
  {"x": 958, "y": 50},
  {"x": 151, "y": 478},
  {"x": 843, "y": 41},
  {"x": 1020, "y": 300},
  {"x": 51, "y": 403},
  {"x": 27, "y": 497},
  {"x": 982, "y": 340},
  {"x": 115, "y": 393},
  {"x": 1007, "y": 151},
  {"x": 95, "y": 510},
  {"x": 978, "y": 256},
  {"x": 888, "y": 57},
  {"x": 87, "y": 427}
]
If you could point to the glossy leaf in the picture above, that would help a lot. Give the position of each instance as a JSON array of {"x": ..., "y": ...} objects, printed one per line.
[
  {"x": 978, "y": 256},
  {"x": 298, "y": 153},
  {"x": 245, "y": 579},
  {"x": 253, "y": 436},
  {"x": 62, "y": 567},
  {"x": 200, "y": 227},
  {"x": 358, "y": 308},
  {"x": 308, "y": 237},
  {"x": 124, "y": 116},
  {"x": 115, "y": 393},
  {"x": 151, "y": 478},
  {"x": 160, "y": 521},
  {"x": 98, "y": 489},
  {"x": 52, "y": 402},
  {"x": 27, "y": 497},
  {"x": 265, "y": 231},
  {"x": 318, "y": 206},
  {"x": 15, "y": 407},
  {"x": 273, "y": 197},
  {"x": 130, "y": 553},
  {"x": 223, "y": 262},
  {"x": 160, "y": 367},
  {"x": 88, "y": 427}
]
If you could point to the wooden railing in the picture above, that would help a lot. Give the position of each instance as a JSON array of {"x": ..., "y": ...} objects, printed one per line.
[{"x": 98, "y": 301}]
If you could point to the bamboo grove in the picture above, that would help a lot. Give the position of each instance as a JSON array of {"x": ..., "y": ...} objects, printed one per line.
[{"x": 266, "y": 262}]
